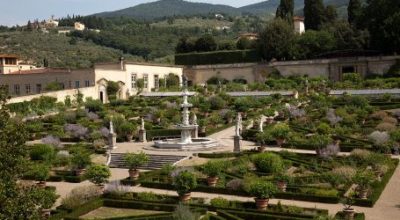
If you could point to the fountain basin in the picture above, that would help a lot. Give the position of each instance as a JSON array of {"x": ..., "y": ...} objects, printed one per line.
[{"x": 196, "y": 143}]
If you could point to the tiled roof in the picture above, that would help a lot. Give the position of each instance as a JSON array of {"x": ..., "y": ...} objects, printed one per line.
[{"x": 39, "y": 71}]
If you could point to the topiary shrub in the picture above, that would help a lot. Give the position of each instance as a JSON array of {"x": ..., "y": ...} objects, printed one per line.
[
  {"x": 185, "y": 182},
  {"x": 263, "y": 190},
  {"x": 42, "y": 152},
  {"x": 268, "y": 162},
  {"x": 98, "y": 174},
  {"x": 220, "y": 202}
]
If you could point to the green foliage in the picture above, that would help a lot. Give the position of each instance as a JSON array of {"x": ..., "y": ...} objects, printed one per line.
[
  {"x": 218, "y": 57},
  {"x": 354, "y": 11},
  {"x": 268, "y": 162},
  {"x": 93, "y": 105},
  {"x": 205, "y": 44},
  {"x": 314, "y": 14},
  {"x": 53, "y": 86},
  {"x": 220, "y": 202},
  {"x": 313, "y": 43},
  {"x": 56, "y": 49},
  {"x": 319, "y": 140},
  {"x": 112, "y": 88},
  {"x": 185, "y": 182},
  {"x": 16, "y": 202},
  {"x": 217, "y": 102},
  {"x": 364, "y": 179},
  {"x": 183, "y": 212},
  {"x": 39, "y": 172},
  {"x": 98, "y": 174},
  {"x": 42, "y": 152},
  {"x": 394, "y": 69},
  {"x": 80, "y": 158},
  {"x": 279, "y": 131},
  {"x": 214, "y": 168},
  {"x": 148, "y": 196},
  {"x": 285, "y": 10},
  {"x": 263, "y": 190},
  {"x": 276, "y": 40},
  {"x": 133, "y": 161}
]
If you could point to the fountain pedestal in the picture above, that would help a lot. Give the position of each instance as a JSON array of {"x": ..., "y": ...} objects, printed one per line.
[{"x": 186, "y": 141}]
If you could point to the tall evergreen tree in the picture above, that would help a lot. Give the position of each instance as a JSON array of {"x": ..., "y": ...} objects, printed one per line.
[
  {"x": 285, "y": 10},
  {"x": 354, "y": 11},
  {"x": 314, "y": 13}
]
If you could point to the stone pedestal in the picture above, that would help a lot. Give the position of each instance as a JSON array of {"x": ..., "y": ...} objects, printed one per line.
[
  {"x": 236, "y": 144},
  {"x": 112, "y": 141},
  {"x": 142, "y": 136},
  {"x": 195, "y": 132}
]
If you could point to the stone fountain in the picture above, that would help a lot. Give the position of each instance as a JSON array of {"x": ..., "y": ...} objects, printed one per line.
[{"x": 186, "y": 142}]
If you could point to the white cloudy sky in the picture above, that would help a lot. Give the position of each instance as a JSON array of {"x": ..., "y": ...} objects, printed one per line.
[{"x": 19, "y": 11}]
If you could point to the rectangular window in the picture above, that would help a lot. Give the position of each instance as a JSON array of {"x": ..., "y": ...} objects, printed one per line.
[
  {"x": 38, "y": 88},
  {"x": 70, "y": 84},
  {"x": 145, "y": 81},
  {"x": 156, "y": 82},
  {"x": 62, "y": 85},
  {"x": 11, "y": 61},
  {"x": 133, "y": 80},
  {"x": 28, "y": 88},
  {"x": 87, "y": 83},
  {"x": 17, "y": 90},
  {"x": 76, "y": 84}
]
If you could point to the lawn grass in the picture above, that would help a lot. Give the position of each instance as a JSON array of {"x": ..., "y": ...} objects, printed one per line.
[{"x": 108, "y": 212}]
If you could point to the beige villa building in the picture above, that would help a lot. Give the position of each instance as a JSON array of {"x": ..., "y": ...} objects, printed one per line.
[{"x": 24, "y": 83}]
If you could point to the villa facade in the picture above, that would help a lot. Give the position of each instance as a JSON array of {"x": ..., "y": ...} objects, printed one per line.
[{"x": 26, "y": 84}]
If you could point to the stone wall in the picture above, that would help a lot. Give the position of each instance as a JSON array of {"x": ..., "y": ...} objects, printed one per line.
[
  {"x": 328, "y": 68},
  {"x": 59, "y": 95}
]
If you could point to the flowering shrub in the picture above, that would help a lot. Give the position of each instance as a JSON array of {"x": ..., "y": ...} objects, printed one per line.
[{"x": 51, "y": 140}]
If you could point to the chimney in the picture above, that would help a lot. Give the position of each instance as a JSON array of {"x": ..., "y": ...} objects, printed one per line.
[{"x": 121, "y": 61}]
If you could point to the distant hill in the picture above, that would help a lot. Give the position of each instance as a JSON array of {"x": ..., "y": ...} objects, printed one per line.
[
  {"x": 168, "y": 8},
  {"x": 58, "y": 50}
]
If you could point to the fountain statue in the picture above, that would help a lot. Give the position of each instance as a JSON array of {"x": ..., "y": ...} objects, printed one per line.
[
  {"x": 236, "y": 138},
  {"x": 112, "y": 137},
  {"x": 186, "y": 141}
]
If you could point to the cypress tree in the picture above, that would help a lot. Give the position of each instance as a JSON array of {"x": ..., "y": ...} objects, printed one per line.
[
  {"x": 314, "y": 13},
  {"x": 285, "y": 10},
  {"x": 354, "y": 11}
]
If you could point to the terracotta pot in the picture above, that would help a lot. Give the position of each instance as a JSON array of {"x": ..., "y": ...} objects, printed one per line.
[
  {"x": 129, "y": 138},
  {"x": 46, "y": 213},
  {"x": 348, "y": 213},
  {"x": 280, "y": 142},
  {"x": 261, "y": 148},
  {"x": 79, "y": 172},
  {"x": 134, "y": 174},
  {"x": 212, "y": 181},
  {"x": 41, "y": 184},
  {"x": 363, "y": 193},
  {"x": 282, "y": 186},
  {"x": 185, "y": 197},
  {"x": 261, "y": 204}
]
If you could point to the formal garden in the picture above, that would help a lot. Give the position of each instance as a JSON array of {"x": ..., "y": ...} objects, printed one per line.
[{"x": 69, "y": 142}]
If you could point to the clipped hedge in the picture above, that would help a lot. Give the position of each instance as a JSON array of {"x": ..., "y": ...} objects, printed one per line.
[
  {"x": 151, "y": 134},
  {"x": 227, "y": 216},
  {"x": 357, "y": 216},
  {"x": 218, "y": 57},
  {"x": 85, "y": 208},
  {"x": 262, "y": 216},
  {"x": 378, "y": 188}
]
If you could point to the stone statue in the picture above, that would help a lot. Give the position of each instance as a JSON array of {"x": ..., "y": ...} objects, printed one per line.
[
  {"x": 111, "y": 127},
  {"x": 194, "y": 119},
  {"x": 142, "y": 124},
  {"x": 238, "y": 125}
]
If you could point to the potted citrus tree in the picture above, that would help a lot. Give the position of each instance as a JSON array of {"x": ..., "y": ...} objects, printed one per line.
[
  {"x": 282, "y": 180},
  {"x": 262, "y": 191},
  {"x": 363, "y": 180},
  {"x": 184, "y": 183},
  {"x": 98, "y": 174},
  {"x": 348, "y": 210},
  {"x": 40, "y": 172},
  {"x": 279, "y": 132},
  {"x": 80, "y": 160},
  {"x": 213, "y": 169},
  {"x": 133, "y": 161}
]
